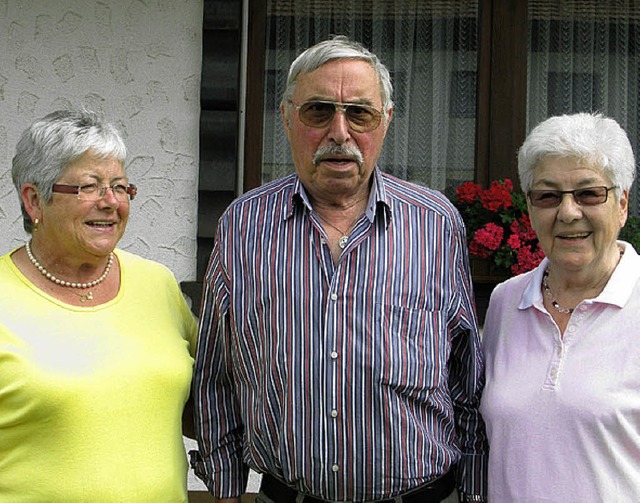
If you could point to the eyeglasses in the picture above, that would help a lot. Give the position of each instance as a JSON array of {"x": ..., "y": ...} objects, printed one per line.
[
  {"x": 95, "y": 192},
  {"x": 362, "y": 118},
  {"x": 588, "y": 196}
]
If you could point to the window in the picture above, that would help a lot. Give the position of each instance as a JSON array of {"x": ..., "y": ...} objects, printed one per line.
[{"x": 470, "y": 78}]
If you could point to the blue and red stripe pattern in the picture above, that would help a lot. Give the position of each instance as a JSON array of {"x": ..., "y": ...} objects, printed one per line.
[{"x": 351, "y": 381}]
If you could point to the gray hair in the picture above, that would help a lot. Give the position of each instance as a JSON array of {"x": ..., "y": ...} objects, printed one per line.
[
  {"x": 50, "y": 144},
  {"x": 583, "y": 136},
  {"x": 338, "y": 47}
]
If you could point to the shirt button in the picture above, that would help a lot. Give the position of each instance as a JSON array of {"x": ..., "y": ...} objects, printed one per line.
[
  {"x": 335, "y": 468},
  {"x": 572, "y": 328},
  {"x": 334, "y": 413},
  {"x": 334, "y": 355},
  {"x": 334, "y": 296},
  {"x": 583, "y": 308}
]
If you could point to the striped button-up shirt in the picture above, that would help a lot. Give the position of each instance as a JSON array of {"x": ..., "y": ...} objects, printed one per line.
[{"x": 350, "y": 381}]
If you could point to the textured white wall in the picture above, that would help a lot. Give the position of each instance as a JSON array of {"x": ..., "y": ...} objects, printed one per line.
[{"x": 136, "y": 61}]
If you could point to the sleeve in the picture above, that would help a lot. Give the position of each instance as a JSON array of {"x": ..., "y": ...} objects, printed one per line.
[
  {"x": 466, "y": 373},
  {"x": 218, "y": 461},
  {"x": 189, "y": 322}
]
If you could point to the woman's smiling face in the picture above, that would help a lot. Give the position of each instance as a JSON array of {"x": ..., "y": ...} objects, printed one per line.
[
  {"x": 86, "y": 228},
  {"x": 573, "y": 236}
]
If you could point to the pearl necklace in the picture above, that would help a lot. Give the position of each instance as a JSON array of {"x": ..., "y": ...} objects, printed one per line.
[{"x": 69, "y": 284}]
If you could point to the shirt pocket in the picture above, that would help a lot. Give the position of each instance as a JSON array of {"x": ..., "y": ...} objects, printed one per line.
[{"x": 413, "y": 348}]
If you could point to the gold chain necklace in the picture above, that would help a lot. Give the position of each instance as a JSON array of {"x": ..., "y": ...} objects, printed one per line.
[{"x": 83, "y": 297}]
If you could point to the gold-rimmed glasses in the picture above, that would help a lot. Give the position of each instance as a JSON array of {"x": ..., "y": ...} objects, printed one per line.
[{"x": 318, "y": 113}]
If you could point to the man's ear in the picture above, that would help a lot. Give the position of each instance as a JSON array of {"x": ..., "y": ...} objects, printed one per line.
[
  {"x": 388, "y": 121},
  {"x": 284, "y": 113}
]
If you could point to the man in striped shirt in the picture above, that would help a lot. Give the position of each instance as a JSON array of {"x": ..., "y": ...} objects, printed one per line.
[{"x": 338, "y": 351}]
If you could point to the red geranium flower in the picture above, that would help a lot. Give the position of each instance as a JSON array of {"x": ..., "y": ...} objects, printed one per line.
[
  {"x": 489, "y": 236},
  {"x": 498, "y": 226},
  {"x": 514, "y": 241},
  {"x": 468, "y": 192},
  {"x": 527, "y": 231},
  {"x": 497, "y": 196},
  {"x": 527, "y": 259},
  {"x": 477, "y": 250}
]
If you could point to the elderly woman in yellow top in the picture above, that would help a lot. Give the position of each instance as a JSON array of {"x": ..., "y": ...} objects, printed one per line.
[
  {"x": 96, "y": 344},
  {"x": 562, "y": 342}
]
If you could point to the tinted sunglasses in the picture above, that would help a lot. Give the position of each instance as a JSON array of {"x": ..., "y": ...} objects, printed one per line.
[
  {"x": 588, "y": 196},
  {"x": 361, "y": 118}
]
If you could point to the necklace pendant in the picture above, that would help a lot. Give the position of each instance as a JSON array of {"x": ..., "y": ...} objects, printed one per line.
[
  {"x": 85, "y": 298},
  {"x": 342, "y": 242},
  {"x": 552, "y": 299}
]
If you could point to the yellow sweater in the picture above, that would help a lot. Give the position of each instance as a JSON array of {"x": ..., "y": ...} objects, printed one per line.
[{"x": 91, "y": 398}]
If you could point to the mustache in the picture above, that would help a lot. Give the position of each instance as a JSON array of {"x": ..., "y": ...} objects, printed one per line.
[{"x": 347, "y": 150}]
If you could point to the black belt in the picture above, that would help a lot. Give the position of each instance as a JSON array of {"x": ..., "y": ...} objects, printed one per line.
[{"x": 433, "y": 492}]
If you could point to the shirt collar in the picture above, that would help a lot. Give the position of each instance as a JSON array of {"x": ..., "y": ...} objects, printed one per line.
[
  {"x": 532, "y": 295},
  {"x": 617, "y": 291},
  {"x": 620, "y": 286},
  {"x": 377, "y": 197}
]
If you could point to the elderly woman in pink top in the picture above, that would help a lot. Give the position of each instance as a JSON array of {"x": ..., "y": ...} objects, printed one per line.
[{"x": 562, "y": 342}]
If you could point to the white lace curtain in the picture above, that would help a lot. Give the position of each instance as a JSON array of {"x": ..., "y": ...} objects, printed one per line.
[
  {"x": 584, "y": 56},
  {"x": 430, "y": 49}
]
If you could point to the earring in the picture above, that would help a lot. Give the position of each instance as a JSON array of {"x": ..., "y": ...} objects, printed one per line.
[{"x": 35, "y": 225}]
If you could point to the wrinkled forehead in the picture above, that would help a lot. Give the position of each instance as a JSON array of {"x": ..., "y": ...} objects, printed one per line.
[
  {"x": 343, "y": 80},
  {"x": 95, "y": 166},
  {"x": 555, "y": 170}
]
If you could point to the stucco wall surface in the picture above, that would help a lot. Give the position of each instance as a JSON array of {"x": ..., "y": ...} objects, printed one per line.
[{"x": 136, "y": 61}]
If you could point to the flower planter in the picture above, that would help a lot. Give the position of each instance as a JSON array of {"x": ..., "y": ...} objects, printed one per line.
[
  {"x": 498, "y": 228},
  {"x": 485, "y": 277},
  {"x": 484, "y": 271}
]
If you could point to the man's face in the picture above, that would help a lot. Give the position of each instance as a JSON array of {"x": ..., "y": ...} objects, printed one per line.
[{"x": 335, "y": 176}]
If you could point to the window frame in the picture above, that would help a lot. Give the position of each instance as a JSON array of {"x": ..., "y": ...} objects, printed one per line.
[{"x": 501, "y": 102}]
